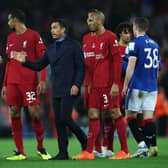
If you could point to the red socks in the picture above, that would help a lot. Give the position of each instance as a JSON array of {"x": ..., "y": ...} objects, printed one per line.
[
  {"x": 39, "y": 131},
  {"x": 122, "y": 132},
  {"x": 98, "y": 142},
  {"x": 17, "y": 132},
  {"x": 94, "y": 129},
  {"x": 109, "y": 129}
]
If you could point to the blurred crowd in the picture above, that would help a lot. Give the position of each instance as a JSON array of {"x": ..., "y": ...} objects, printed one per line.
[{"x": 39, "y": 15}]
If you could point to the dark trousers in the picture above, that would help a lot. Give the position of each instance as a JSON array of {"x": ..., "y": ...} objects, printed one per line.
[{"x": 63, "y": 118}]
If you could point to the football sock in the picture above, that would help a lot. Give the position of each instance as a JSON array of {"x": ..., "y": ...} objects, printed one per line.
[
  {"x": 111, "y": 136},
  {"x": 134, "y": 126},
  {"x": 120, "y": 124},
  {"x": 17, "y": 132},
  {"x": 98, "y": 142},
  {"x": 108, "y": 133},
  {"x": 94, "y": 129},
  {"x": 39, "y": 132},
  {"x": 150, "y": 133}
]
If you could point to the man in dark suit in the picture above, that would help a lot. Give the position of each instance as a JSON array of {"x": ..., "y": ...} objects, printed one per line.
[{"x": 66, "y": 60}]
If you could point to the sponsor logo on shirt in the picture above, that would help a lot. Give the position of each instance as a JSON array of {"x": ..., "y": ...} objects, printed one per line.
[
  {"x": 15, "y": 53},
  {"x": 99, "y": 56},
  {"x": 89, "y": 54}
]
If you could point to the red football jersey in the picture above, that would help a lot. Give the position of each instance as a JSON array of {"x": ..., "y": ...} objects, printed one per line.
[
  {"x": 107, "y": 60},
  {"x": 32, "y": 45},
  {"x": 89, "y": 54}
]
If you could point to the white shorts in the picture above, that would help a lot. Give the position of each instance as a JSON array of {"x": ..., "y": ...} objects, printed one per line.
[{"x": 138, "y": 100}]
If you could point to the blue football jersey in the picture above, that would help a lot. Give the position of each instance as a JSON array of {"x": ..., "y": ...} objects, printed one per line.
[
  {"x": 147, "y": 65},
  {"x": 125, "y": 59}
]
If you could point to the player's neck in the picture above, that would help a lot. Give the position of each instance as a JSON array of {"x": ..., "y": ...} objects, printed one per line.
[
  {"x": 140, "y": 34},
  {"x": 100, "y": 31},
  {"x": 20, "y": 28},
  {"x": 123, "y": 43}
]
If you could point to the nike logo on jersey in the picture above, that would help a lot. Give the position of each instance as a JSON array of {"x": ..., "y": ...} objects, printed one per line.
[{"x": 10, "y": 45}]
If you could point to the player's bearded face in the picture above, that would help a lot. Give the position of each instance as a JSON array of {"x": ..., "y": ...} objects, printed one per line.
[
  {"x": 92, "y": 22},
  {"x": 57, "y": 31}
]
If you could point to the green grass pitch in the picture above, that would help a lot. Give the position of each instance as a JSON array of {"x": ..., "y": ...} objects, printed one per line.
[{"x": 33, "y": 161}]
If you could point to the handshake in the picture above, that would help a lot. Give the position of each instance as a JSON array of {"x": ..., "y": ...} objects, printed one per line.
[{"x": 20, "y": 56}]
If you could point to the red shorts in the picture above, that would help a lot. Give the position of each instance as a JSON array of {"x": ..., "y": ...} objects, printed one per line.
[
  {"x": 22, "y": 95},
  {"x": 100, "y": 98}
]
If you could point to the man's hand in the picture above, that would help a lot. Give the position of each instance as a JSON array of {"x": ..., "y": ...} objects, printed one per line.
[
  {"x": 3, "y": 92},
  {"x": 41, "y": 87},
  {"x": 74, "y": 90},
  {"x": 124, "y": 91},
  {"x": 20, "y": 56},
  {"x": 114, "y": 92}
]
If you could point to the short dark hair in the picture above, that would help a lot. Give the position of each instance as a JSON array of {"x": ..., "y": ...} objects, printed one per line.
[
  {"x": 142, "y": 23},
  {"x": 62, "y": 22},
  {"x": 99, "y": 13},
  {"x": 123, "y": 26},
  {"x": 19, "y": 14}
]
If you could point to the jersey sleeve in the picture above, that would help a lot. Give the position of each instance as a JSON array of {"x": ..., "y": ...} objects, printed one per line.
[
  {"x": 133, "y": 49},
  {"x": 40, "y": 49},
  {"x": 116, "y": 59}
]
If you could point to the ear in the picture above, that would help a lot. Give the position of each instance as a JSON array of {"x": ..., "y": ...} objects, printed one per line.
[
  {"x": 15, "y": 19},
  {"x": 64, "y": 29}
]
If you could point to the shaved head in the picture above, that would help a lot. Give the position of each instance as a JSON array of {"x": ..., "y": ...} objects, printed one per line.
[{"x": 99, "y": 15}]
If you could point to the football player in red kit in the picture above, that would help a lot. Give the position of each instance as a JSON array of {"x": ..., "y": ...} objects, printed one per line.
[
  {"x": 124, "y": 34},
  {"x": 20, "y": 86},
  {"x": 104, "y": 93}
]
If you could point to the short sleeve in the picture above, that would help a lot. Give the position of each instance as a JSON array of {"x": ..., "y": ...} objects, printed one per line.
[
  {"x": 132, "y": 49},
  {"x": 114, "y": 45},
  {"x": 39, "y": 46}
]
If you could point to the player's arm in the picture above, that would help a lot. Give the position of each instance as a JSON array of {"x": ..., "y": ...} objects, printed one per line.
[
  {"x": 129, "y": 73},
  {"x": 131, "y": 65},
  {"x": 40, "y": 50},
  {"x": 3, "y": 91},
  {"x": 116, "y": 61}
]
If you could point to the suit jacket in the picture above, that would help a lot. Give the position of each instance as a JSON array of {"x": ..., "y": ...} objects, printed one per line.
[{"x": 66, "y": 60}]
